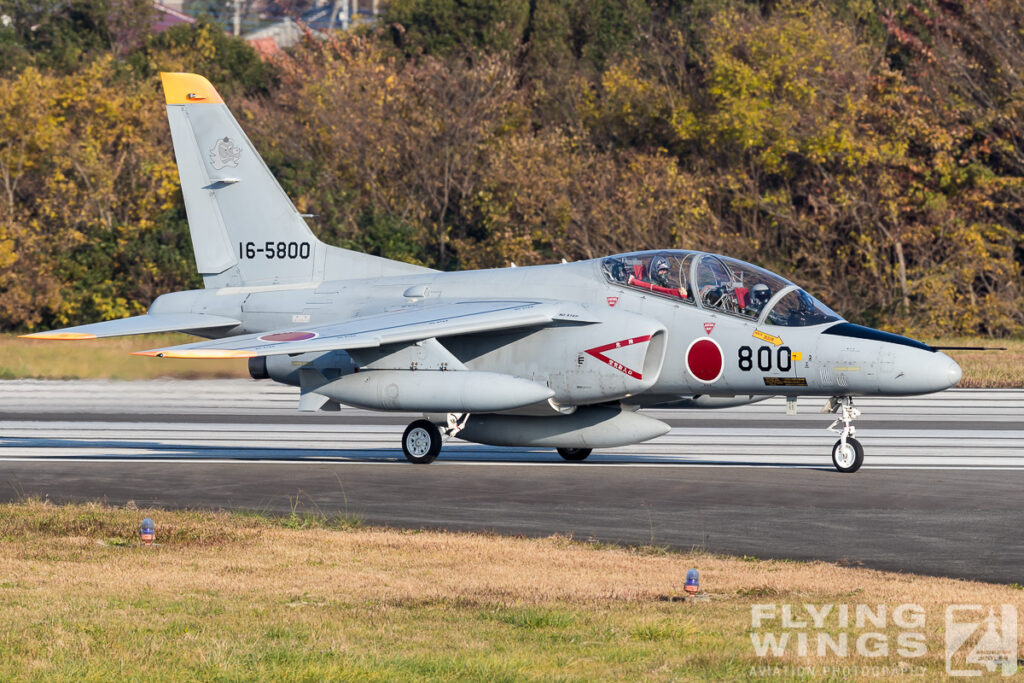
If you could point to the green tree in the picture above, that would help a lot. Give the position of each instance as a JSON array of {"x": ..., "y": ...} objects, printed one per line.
[
  {"x": 90, "y": 221},
  {"x": 60, "y": 34},
  {"x": 441, "y": 27}
]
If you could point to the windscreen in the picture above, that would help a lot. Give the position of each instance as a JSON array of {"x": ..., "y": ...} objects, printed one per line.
[
  {"x": 747, "y": 288},
  {"x": 800, "y": 309}
]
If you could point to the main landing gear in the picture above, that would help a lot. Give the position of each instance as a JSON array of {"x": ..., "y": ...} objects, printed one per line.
[
  {"x": 574, "y": 454},
  {"x": 847, "y": 453},
  {"x": 421, "y": 442},
  {"x": 423, "y": 439}
]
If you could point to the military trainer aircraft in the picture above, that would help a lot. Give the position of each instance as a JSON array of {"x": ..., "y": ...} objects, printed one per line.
[{"x": 560, "y": 356}]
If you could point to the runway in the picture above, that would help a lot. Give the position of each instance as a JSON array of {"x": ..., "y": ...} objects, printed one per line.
[{"x": 940, "y": 491}]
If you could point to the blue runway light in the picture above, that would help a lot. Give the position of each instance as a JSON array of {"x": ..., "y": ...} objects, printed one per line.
[
  {"x": 147, "y": 531},
  {"x": 692, "y": 582}
]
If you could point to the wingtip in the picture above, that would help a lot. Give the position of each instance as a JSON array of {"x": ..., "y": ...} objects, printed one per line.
[
  {"x": 183, "y": 88},
  {"x": 58, "y": 336}
]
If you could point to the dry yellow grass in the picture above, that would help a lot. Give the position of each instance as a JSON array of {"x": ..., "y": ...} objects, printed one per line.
[
  {"x": 235, "y": 597},
  {"x": 988, "y": 369},
  {"x": 106, "y": 359}
]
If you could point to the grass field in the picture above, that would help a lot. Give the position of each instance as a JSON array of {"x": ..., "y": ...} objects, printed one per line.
[
  {"x": 106, "y": 359},
  {"x": 988, "y": 369},
  {"x": 244, "y": 597},
  {"x": 111, "y": 359}
]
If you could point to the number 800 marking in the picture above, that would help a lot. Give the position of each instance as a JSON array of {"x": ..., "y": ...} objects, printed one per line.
[{"x": 783, "y": 358}]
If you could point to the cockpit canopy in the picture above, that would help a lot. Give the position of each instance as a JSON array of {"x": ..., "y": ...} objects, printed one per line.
[{"x": 720, "y": 284}]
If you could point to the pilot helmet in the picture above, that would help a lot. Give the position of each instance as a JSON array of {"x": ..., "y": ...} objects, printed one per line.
[
  {"x": 760, "y": 293},
  {"x": 660, "y": 269}
]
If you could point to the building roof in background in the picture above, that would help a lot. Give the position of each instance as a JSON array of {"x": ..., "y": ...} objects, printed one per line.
[
  {"x": 265, "y": 46},
  {"x": 167, "y": 17},
  {"x": 288, "y": 32}
]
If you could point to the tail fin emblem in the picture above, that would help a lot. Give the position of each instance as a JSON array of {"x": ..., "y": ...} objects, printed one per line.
[{"x": 225, "y": 153}]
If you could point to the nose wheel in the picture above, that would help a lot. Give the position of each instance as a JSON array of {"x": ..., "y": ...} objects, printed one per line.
[
  {"x": 849, "y": 456},
  {"x": 847, "y": 453}
]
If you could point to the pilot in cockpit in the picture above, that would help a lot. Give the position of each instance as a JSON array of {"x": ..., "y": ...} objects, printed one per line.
[
  {"x": 759, "y": 296},
  {"x": 659, "y": 273}
]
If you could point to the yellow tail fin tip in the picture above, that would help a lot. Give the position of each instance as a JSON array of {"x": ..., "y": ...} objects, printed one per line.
[{"x": 182, "y": 88}]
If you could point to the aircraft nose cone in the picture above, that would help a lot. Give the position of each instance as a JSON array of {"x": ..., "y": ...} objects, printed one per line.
[
  {"x": 919, "y": 372},
  {"x": 953, "y": 372},
  {"x": 941, "y": 373}
]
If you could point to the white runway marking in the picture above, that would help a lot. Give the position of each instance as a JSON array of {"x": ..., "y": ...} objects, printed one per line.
[{"x": 913, "y": 435}]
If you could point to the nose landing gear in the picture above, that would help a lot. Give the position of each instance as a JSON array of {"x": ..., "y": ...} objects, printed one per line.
[{"x": 847, "y": 453}]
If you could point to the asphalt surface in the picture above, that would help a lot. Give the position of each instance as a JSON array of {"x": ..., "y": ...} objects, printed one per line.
[{"x": 940, "y": 492}]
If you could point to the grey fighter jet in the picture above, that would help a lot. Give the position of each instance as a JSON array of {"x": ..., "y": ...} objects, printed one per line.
[{"x": 560, "y": 356}]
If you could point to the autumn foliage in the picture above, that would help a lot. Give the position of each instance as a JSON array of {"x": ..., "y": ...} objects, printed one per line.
[{"x": 871, "y": 151}]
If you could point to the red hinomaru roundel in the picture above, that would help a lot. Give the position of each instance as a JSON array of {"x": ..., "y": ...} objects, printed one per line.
[
  {"x": 288, "y": 336},
  {"x": 704, "y": 359}
]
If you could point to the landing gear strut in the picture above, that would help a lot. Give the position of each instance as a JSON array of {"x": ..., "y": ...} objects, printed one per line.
[{"x": 847, "y": 453}]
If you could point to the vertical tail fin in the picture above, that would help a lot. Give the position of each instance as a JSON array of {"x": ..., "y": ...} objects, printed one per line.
[{"x": 245, "y": 230}]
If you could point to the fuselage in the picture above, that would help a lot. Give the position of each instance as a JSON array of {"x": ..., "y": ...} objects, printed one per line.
[{"x": 631, "y": 344}]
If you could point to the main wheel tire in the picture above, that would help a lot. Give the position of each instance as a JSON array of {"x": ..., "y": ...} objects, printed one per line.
[
  {"x": 421, "y": 442},
  {"x": 574, "y": 454},
  {"x": 850, "y": 459}
]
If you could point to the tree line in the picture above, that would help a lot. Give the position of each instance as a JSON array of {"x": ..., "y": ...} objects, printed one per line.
[{"x": 869, "y": 150}]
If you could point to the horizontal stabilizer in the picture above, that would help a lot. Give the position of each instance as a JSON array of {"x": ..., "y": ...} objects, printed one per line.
[
  {"x": 411, "y": 324},
  {"x": 139, "y": 324}
]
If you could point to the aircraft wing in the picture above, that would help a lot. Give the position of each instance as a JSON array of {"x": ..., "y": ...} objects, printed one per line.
[
  {"x": 412, "y": 323},
  {"x": 139, "y": 324}
]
